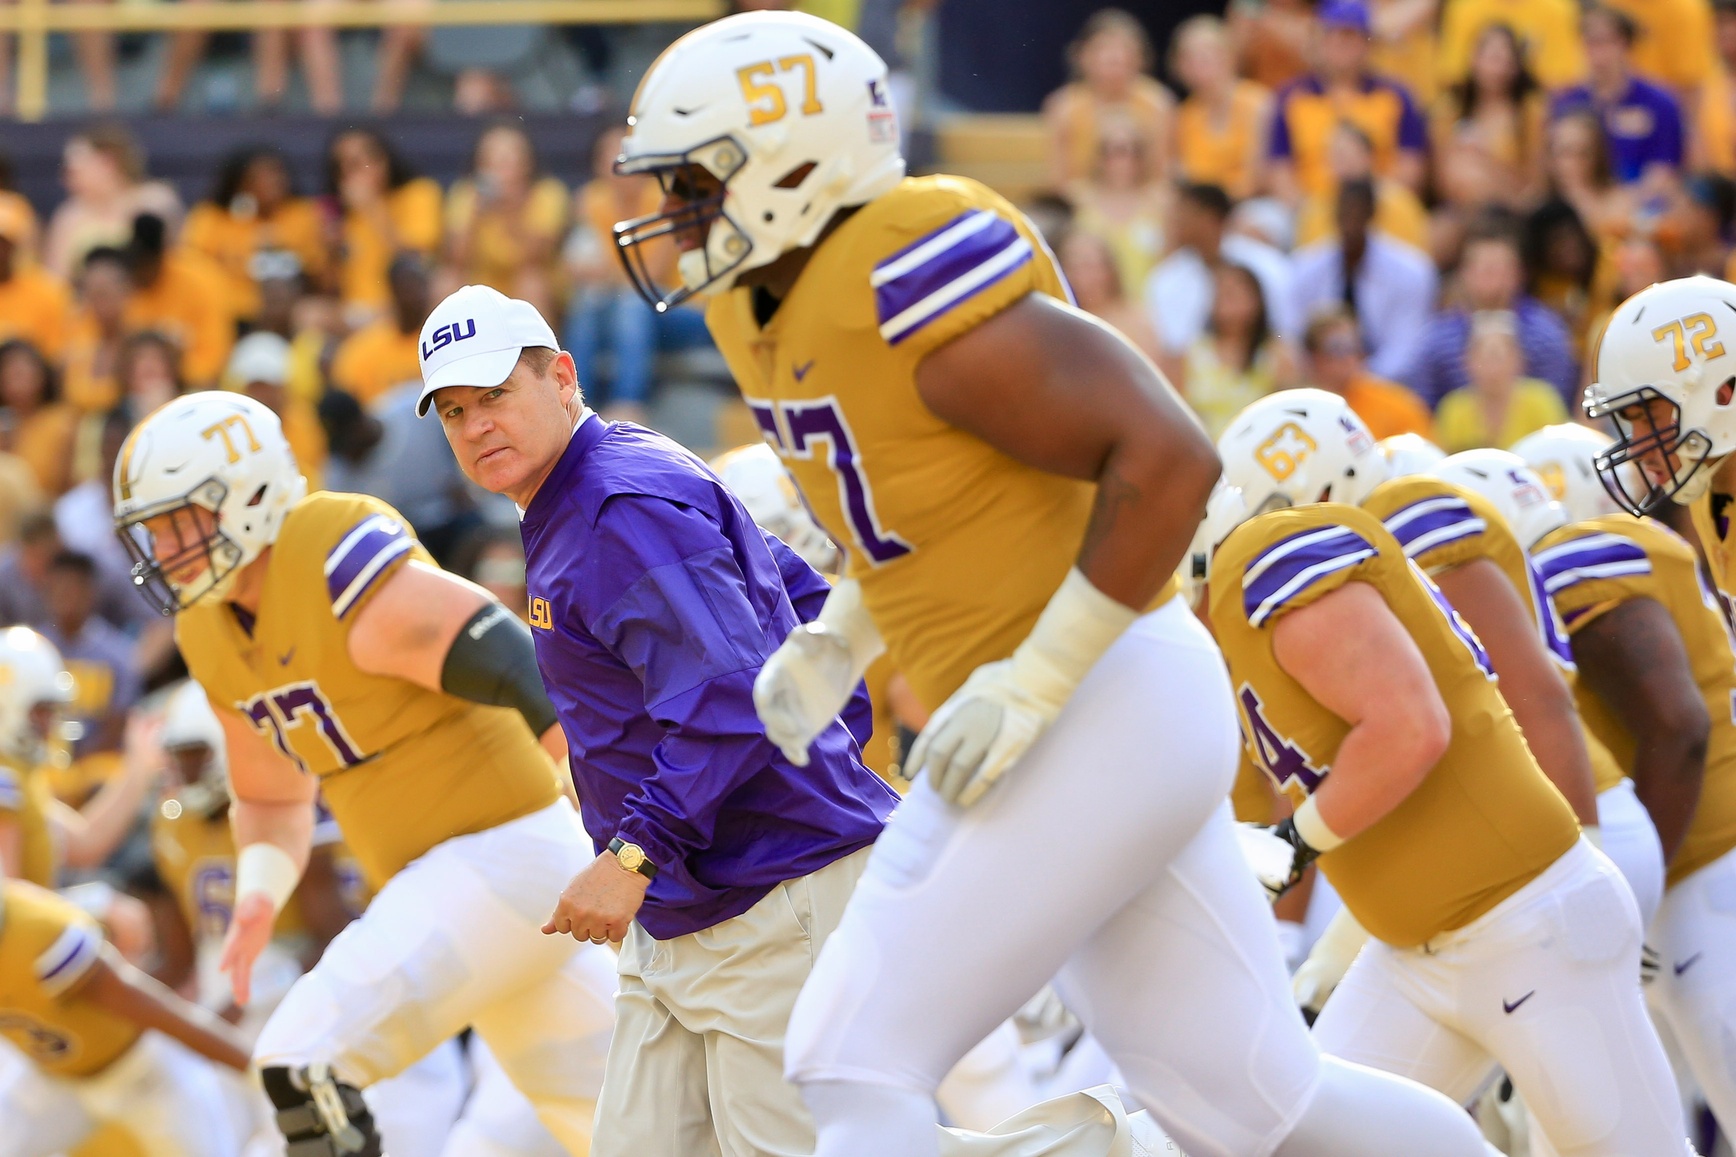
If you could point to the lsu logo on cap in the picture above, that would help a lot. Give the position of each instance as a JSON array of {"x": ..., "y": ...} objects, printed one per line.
[{"x": 447, "y": 334}]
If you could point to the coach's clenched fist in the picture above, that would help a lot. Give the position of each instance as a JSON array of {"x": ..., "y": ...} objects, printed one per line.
[{"x": 599, "y": 903}]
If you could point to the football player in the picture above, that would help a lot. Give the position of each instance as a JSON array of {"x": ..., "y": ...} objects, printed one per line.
[
  {"x": 1659, "y": 682},
  {"x": 107, "y": 1043},
  {"x": 1500, "y": 935},
  {"x": 1565, "y": 457},
  {"x": 340, "y": 658},
  {"x": 1013, "y": 485}
]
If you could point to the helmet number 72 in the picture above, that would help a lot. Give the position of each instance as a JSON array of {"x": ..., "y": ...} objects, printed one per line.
[
  {"x": 1698, "y": 330},
  {"x": 765, "y": 100}
]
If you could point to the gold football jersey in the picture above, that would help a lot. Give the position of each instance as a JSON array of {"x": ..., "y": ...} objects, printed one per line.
[
  {"x": 958, "y": 547},
  {"x": 47, "y": 946},
  {"x": 1483, "y": 822},
  {"x": 1593, "y": 567},
  {"x": 402, "y": 768},
  {"x": 25, "y": 797},
  {"x": 1442, "y": 526}
]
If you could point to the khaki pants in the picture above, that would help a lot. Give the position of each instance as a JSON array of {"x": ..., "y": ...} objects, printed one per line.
[{"x": 697, "y": 1064}]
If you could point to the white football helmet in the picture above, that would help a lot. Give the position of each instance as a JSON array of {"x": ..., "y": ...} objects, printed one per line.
[
  {"x": 790, "y": 113},
  {"x": 1225, "y": 510},
  {"x": 1665, "y": 374},
  {"x": 759, "y": 479},
  {"x": 1295, "y": 447},
  {"x": 1511, "y": 487},
  {"x": 190, "y": 725},
  {"x": 1408, "y": 454},
  {"x": 220, "y": 453},
  {"x": 1565, "y": 458},
  {"x": 32, "y": 675}
]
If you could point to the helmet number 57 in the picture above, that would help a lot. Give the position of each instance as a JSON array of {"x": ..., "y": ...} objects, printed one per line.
[
  {"x": 1697, "y": 330},
  {"x": 765, "y": 99}
]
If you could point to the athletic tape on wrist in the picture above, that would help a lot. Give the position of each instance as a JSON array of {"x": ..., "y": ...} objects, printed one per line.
[
  {"x": 1311, "y": 826},
  {"x": 267, "y": 869}
]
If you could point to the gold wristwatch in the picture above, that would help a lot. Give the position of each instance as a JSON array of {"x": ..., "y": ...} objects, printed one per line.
[{"x": 632, "y": 858}]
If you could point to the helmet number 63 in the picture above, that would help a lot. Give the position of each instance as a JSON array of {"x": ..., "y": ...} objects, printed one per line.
[
  {"x": 765, "y": 99},
  {"x": 1696, "y": 330}
]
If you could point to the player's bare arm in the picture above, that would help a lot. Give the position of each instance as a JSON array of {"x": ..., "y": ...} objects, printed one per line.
[
  {"x": 447, "y": 634},
  {"x": 1353, "y": 656},
  {"x": 89, "y": 835},
  {"x": 272, "y": 814},
  {"x": 117, "y": 987},
  {"x": 1531, "y": 683},
  {"x": 1633, "y": 659},
  {"x": 1059, "y": 390}
]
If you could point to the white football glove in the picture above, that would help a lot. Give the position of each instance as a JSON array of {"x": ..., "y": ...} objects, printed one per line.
[
  {"x": 1272, "y": 857},
  {"x": 987, "y": 724},
  {"x": 807, "y": 681},
  {"x": 1326, "y": 965}
]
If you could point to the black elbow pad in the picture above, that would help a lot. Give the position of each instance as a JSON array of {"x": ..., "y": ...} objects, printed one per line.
[{"x": 493, "y": 661}]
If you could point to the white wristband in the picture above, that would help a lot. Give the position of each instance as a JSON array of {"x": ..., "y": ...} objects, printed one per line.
[
  {"x": 267, "y": 869},
  {"x": 1312, "y": 827},
  {"x": 844, "y": 615},
  {"x": 1071, "y": 634}
]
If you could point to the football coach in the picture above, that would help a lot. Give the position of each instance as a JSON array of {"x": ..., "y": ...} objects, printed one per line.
[{"x": 654, "y": 600}]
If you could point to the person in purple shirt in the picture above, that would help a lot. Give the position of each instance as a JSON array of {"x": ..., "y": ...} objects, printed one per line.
[
  {"x": 654, "y": 600},
  {"x": 1641, "y": 119}
]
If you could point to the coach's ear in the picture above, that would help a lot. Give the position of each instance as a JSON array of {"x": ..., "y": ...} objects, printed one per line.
[{"x": 566, "y": 374}]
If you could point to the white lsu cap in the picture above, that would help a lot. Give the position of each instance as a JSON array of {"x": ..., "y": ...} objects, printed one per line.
[{"x": 473, "y": 338}]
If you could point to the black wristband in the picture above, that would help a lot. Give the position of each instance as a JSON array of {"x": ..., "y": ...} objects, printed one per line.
[
  {"x": 493, "y": 661},
  {"x": 1306, "y": 853}
]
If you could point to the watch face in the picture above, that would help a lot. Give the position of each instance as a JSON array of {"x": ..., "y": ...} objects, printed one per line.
[{"x": 631, "y": 857}]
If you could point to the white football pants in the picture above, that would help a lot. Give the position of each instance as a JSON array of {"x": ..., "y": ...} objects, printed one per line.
[
  {"x": 1695, "y": 992},
  {"x": 1547, "y": 985},
  {"x": 454, "y": 940},
  {"x": 1631, "y": 842},
  {"x": 169, "y": 1098},
  {"x": 1107, "y": 859}
]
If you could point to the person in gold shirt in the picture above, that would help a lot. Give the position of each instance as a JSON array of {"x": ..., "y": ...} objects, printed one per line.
[
  {"x": 382, "y": 354},
  {"x": 97, "y": 332},
  {"x": 182, "y": 295},
  {"x": 505, "y": 221},
  {"x": 102, "y": 1043},
  {"x": 384, "y": 210},
  {"x": 1500, "y": 935},
  {"x": 1549, "y": 30},
  {"x": 1013, "y": 485},
  {"x": 1220, "y": 129},
  {"x": 253, "y": 210},
  {"x": 339, "y": 658},
  {"x": 34, "y": 304},
  {"x": 1659, "y": 681},
  {"x": 35, "y": 424},
  {"x": 1333, "y": 343}
]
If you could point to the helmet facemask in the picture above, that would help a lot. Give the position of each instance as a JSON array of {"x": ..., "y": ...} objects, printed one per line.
[
  {"x": 1639, "y": 436},
  {"x": 724, "y": 244},
  {"x": 153, "y": 575}
]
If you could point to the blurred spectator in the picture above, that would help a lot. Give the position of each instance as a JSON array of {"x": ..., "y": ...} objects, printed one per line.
[
  {"x": 478, "y": 92},
  {"x": 400, "y": 45},
  {"x": 1341, "y": 88},
  {"x": 1388, "y": 285},
  {"x": 1238, "y": 359},
  {"x": 1498, "y": 406},
  {"x": 310, "y": 323},
  {"x": 84, "y": 521},
  {"x": 253, "y": 208},
  {"x": 24, "y": 577},
  {"x": 271, "y": 50},
  {"x": 1272, "y": 39},
  {"x": 386, "y": 451},
  {"x": 12, "y": 201},
  {"x": 260, "y": 368},
  {"x": 34, "y": 304},
  {"x": 1178, "y": 294},
  {"x": 504, "y": 223},
  {"x": 1674, "y": 43},
  {"x": 1635, "y": 264},
  {"x": 1488, "y": 130},
  {"x": 98, "y": 329},
  {"x": 100, "y": 656},
  {"x": 1698, "y": 226},
  {"x": 1334, "y": 347},
  {"x": 149, "y": 373},
  {"x": 1090, "y": 269},
  {"x": 182, "y": 295},
  {"x": 1549, "y": 30},
  {"x": 1714, "y": 136},
  {"x": 34, "y": 424},
  {"x": 382, "y": 354},
  {"x": 385, "y": 209},
  {"x": 1110, "y": 60},
  {"x": 1404, "y": 43},
  {"x": 492, "y": 557},
  {"x": 106, "y": 186},
  {"x": 1642, "y": 120},
  {"x": 606, "y": 315},
  {"x": 1490, "y": 278},
  {"x": 1561, "y": 264},
  {"x": 1222, "y": 126},
  {"x": 1398, "y": 212},
  {"x": 1579, "y": 173},
  {"x": 1123, "y": 202}
]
